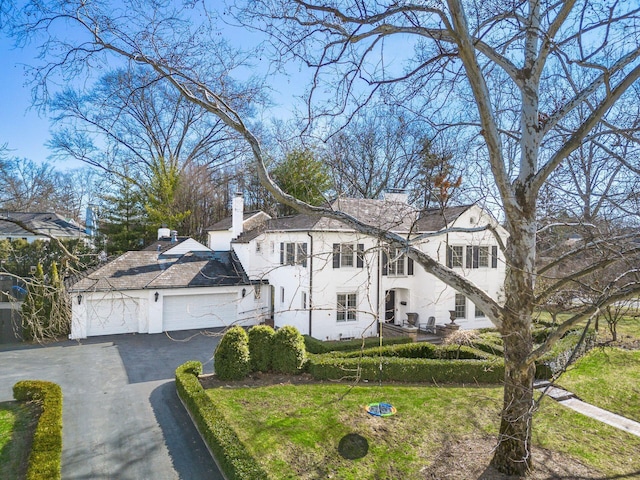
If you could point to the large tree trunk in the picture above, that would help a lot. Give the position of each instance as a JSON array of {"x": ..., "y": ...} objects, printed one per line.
[{"x": 513, "y": 452}]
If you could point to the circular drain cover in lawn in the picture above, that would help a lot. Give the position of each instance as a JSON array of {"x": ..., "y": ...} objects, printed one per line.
[
  {"x": 380, "y": 409},
  {"x": 353, "y": 446}
]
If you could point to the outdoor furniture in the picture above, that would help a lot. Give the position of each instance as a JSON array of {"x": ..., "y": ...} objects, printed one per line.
[{"x": 429, "y": 327}]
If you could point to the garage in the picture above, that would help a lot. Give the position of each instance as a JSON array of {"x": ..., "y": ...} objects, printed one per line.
[
  {"x": 186, "y": 312},
  {"x": 110, "y": 316}
]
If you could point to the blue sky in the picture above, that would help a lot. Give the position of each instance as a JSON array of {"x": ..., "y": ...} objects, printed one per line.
[
  {"x": 21, "y": 128},
  {"x": 25, "y": 131}
]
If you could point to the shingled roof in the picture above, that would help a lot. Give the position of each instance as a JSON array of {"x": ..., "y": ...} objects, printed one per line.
[
  {"x": 46, "y": 224},
  {"x": 394, "y": 216},
  {"x": 150, "y": 270}
]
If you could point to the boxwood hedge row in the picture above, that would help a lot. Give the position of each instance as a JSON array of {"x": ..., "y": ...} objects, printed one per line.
[
  {"x": 46, "y": 449},
  {"x": 419, "y": 370},
  {"x": 231, "y": 455},
  {"x": 313, "y": 345},
  {"x": 420, "y": 350}
]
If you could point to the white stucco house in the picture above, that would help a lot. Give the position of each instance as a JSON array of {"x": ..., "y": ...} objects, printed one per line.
[
  {"x": 331, "y": 282},
  {"x": 314, "y": 273}
]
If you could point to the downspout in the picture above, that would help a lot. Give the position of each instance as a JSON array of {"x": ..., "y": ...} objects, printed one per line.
[
  {"x": 379, "y": 281},
  {"x": 310, "y": 281}
]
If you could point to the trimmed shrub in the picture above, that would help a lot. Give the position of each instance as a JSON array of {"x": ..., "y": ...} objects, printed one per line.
[
  {"x": 289, "y": 352},
  {"x": 488, "y": 346},
  {"x": 46, "y": 449},
  {"x": 261, "y": 347},
  {"x": 460, "y": 352},
  {"x": 231, "y": 455},
  {"x": 411, "y": 350},
  {"x": 231, "y": 359},
  {"x": 330, "y": 367},
  {"x": 314, "y": 345}
]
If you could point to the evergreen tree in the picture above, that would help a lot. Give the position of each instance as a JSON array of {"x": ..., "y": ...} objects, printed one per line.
[{"x": 123, "y": 218}]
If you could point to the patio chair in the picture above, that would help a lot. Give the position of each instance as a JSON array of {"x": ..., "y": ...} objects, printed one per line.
[{"x": 429, "y": 327}]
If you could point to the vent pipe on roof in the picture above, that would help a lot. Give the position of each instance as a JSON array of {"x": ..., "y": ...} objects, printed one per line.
[
  {"x": 174, "y": 236},
  {"x": 237, "y": 213}
]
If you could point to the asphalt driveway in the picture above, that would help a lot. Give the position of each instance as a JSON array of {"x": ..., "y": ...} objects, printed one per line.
[{"x": 122, "y": 417}]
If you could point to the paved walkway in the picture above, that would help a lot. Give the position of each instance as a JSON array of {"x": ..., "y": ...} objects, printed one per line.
[
  {"x": 122, "y": 418},
  {"x": 569, "y": 400}
]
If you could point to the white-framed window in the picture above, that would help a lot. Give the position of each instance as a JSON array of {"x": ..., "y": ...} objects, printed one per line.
[
  {"x": 478, "y": 313},
  {"x": 257, "y": 292},
  {"x": 258, "y": 247},
  {"x": 483, "y": 257},
  {"x": 292, "y": 253},
  {"x": 460, "y": 306},
  {"x": 281, "y": 294},
  {"x": 396, "y": 262},
  {"x": 347, "y": 255},
  {"x": 479, "y": 256},
  {"x": 346, "y": 307},
  {"x": 455, "y": 256},
  {"x": 303, "y": 300}
]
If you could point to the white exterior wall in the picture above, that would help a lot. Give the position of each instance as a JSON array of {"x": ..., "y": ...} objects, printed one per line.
[
  {"x": 419, "y": 293},
  {"x": 328, "y": 282},
  {"x": 150, "y": 311},
  {"x": 220, "y": 240}
]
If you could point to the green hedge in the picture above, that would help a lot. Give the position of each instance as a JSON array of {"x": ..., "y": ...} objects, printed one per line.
[
  {"x": 46, "y": 449},
  {"x": 232, "y": 456},
  {"x": 261, "y": 347},
  {"x": 288, "y": 351},
  {"x": 314, "y": 345},
  {"x": 488, "y": 345},
  {"x": 332, "y": 367},
  {"x": 231, "y": 360},
  {"x": 420, "y": 350}
]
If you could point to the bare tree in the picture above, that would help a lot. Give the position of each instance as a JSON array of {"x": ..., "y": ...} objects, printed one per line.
[
  {"x": 470, "y": 57},
  {"x": 378, "y": 150},
  {"x": 134, "y": 126}
]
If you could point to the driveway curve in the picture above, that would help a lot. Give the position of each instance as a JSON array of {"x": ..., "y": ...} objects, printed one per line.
[{"x": 122, "y": 418}]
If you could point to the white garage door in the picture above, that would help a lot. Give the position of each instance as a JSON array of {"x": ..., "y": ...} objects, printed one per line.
[
  {"x": 112, "y": 316},
  {"x": 186, "y": 312}
]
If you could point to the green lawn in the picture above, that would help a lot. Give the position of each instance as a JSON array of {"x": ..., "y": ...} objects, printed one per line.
[
  {"x": 608, "y": 378},
  {"x": 296, "y": 430},
  {"x": 17, "y": 421}
]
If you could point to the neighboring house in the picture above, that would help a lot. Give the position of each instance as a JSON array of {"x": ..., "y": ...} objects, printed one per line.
[
  {"x": 331, "y": 282},
  {"x": 175, "y": 284},
  {"x": 41, "y": 226}
]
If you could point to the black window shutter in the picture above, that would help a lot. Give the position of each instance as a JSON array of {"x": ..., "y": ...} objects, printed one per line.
[
  {"x": 385, "y": 263},
  {"x": 409, "y": 266},
  {"x": 469, "y": 256},
  {"x": 291, "y": 253},
  {"x": 476, "y": 254},
  {"x": 303, "y": 251},
  {"x": 360, "y": 256},
  {"x": 281, "y": 253},
  {"x": 494, "y": 256},
  {"x": 449, "y": 256},
  {"x": 336, "y": 255}
]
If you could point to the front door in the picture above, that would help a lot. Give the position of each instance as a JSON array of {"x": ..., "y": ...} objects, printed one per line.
[{"x": 390, "y": 306}]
